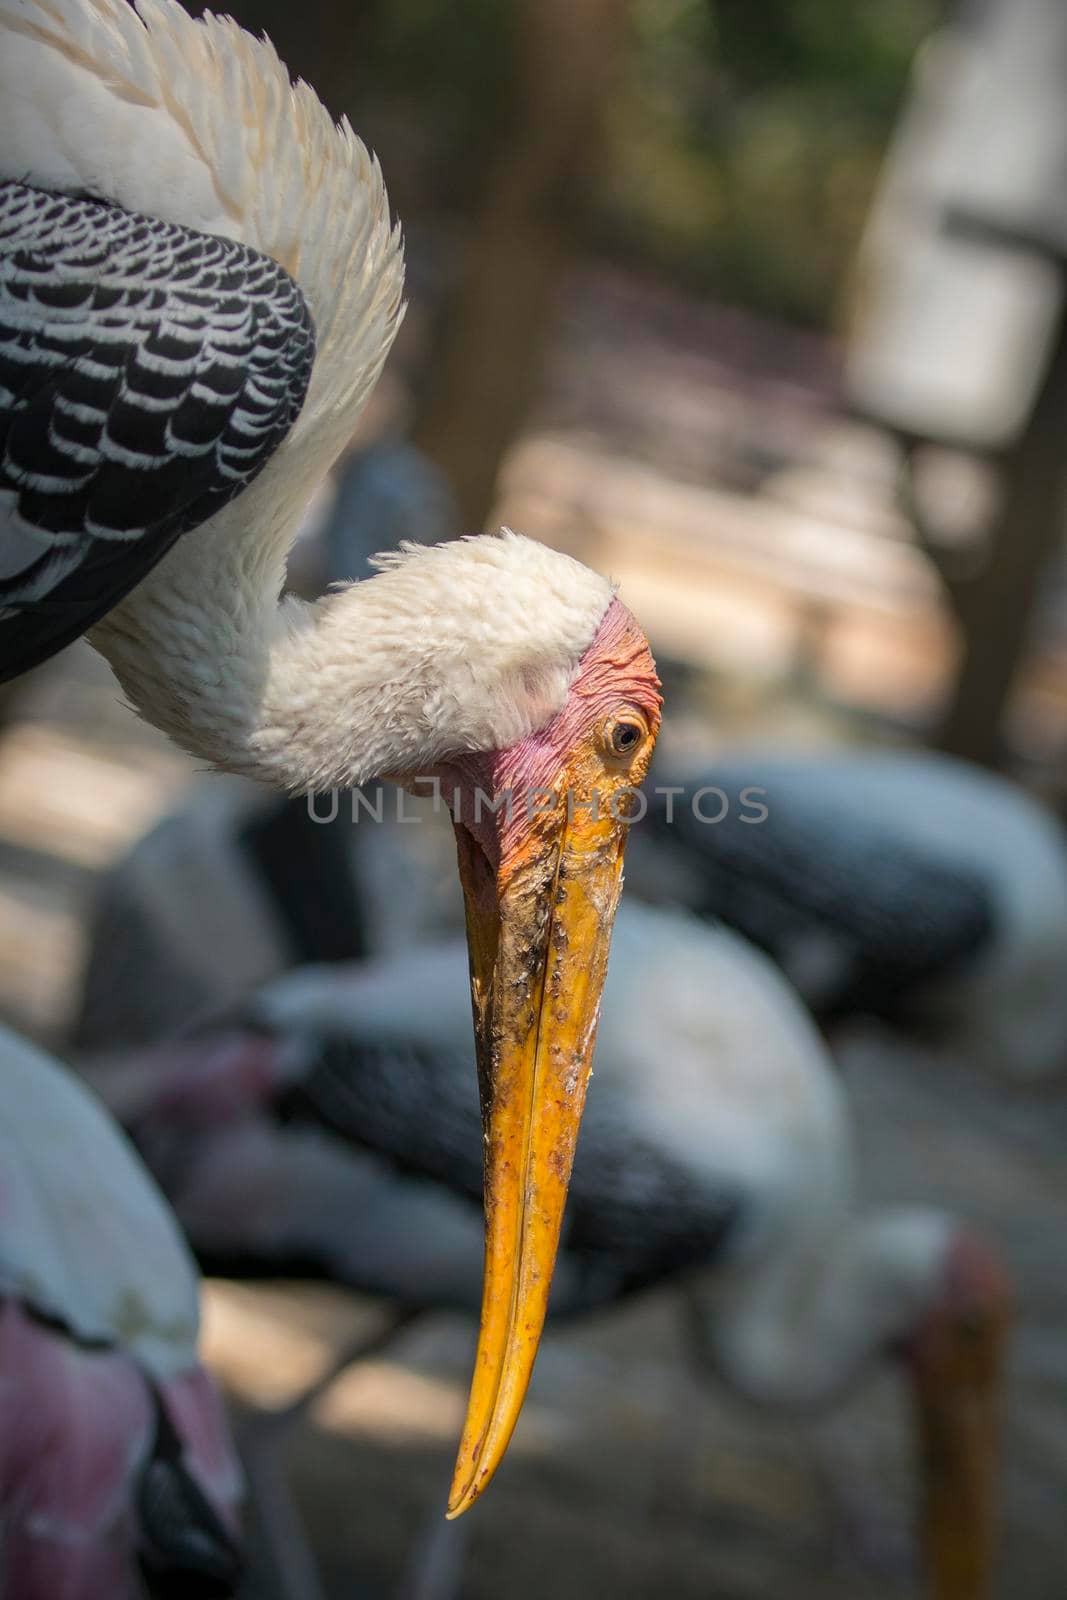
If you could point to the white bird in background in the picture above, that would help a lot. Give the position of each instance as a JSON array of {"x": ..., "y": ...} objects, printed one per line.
[
  {"x": 734, "y": 1166},
  {"x": 199, "y": 284},
  {"x": 900, "y": 884},
  {"x": 116, "y": 1469},
  {"x": 237, "y": 886}
]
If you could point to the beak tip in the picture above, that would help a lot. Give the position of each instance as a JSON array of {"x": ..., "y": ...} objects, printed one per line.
[{"x": 460, "y": 1499}]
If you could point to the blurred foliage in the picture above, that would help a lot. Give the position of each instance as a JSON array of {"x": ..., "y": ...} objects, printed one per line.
[
  {"x": 746, "y": 140},
  {"x": 743, "y": 136},
  {"x": 743, "y": 139}
]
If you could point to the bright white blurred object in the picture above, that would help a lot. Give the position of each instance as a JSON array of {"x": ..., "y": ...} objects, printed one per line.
[{"x": 951, "y": 332}]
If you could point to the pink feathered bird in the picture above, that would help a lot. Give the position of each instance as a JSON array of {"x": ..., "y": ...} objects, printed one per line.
[{"x": 117, "y": 1475}]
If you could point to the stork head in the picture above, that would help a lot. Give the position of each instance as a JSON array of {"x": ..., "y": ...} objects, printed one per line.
[
  {"x": 956, "y": 1360},
  {"x": 513, "y": 680},
  {"x": 838, "y": 1294},
  {"x": 540, "y": 829}
]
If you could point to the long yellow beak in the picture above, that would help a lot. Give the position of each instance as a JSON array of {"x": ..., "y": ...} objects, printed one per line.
[{"x": 538, "y": 955}]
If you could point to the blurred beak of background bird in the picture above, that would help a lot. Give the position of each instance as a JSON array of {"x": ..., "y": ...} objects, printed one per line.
[
  {"x": 541, "y": 888},
  {"x": 958, "y": 1364}
]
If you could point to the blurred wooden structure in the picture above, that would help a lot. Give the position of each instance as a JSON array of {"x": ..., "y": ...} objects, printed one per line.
[
  {"x": 489, "y": 365},
  {"x": 959, "y": 338}
]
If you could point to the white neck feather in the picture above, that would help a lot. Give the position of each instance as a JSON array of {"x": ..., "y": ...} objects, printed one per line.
[
  {"x": 454, "y": 648},
  {"x": 798, "y": 1328}
]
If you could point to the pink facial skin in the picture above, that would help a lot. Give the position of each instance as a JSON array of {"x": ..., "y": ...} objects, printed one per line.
[{"x": 616, "y": 671}]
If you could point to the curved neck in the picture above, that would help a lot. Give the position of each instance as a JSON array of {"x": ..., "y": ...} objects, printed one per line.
[
  {"x": 196, "y": 644},
  {"x": 457, "y": 648}
]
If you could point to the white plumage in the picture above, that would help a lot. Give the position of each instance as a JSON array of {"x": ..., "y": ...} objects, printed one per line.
[
  {"x": 199, "y": 122},
  {"x": 86, "y": 1236}
]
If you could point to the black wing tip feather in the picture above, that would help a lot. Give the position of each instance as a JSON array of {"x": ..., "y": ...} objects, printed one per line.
[{"x": 184, "y": 1551}]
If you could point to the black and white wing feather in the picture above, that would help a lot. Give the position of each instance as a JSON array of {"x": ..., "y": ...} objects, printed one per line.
[
  {"x": 890, "y": 913},
  {"x": 147, "y": 374}
]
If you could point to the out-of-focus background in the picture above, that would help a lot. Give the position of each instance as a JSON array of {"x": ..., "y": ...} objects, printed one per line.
[{"x": 759, "y": 308}]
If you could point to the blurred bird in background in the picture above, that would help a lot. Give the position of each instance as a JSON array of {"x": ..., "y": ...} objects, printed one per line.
[
  {"x": 717, "y": 1148},
  {"x": 912, "y": 888},
  {"x": 117, "y": 1475},
  {"x": 896, "y": 884}
]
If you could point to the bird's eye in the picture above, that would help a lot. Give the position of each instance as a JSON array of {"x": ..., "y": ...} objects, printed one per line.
[{"x": 625, "y": 734}]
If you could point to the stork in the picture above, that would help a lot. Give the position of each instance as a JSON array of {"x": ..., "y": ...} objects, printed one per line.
[
  {"x": 717, "y": 1145},
  {"x": 115, "y": 1461},
  {"x": 236, "y": 886},
  {"x": 901, "y": 884},
  {"x": 199, "y": 284}
]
